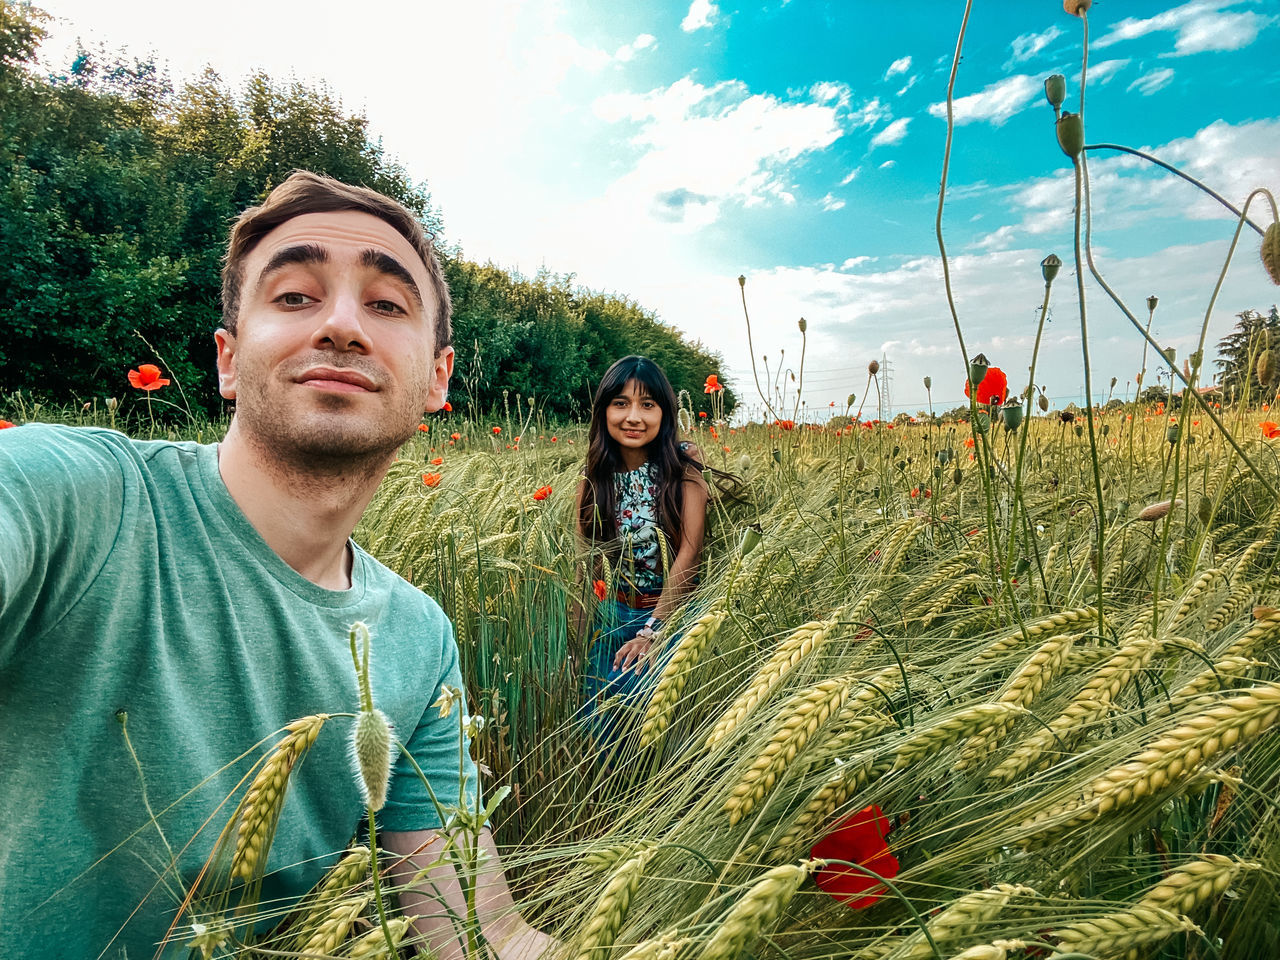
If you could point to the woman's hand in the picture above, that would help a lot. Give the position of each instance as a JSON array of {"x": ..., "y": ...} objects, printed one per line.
[{"x": 635, "y": 650}]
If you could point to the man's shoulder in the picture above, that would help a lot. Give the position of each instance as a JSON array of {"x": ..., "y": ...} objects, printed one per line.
[{"x": 401, "y": 591}]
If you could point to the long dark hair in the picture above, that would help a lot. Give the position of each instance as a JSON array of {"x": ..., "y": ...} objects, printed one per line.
[{"x": 598, "y": 511}]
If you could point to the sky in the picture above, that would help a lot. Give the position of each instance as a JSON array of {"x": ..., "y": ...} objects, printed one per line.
[{"x": 661, "y": 149}]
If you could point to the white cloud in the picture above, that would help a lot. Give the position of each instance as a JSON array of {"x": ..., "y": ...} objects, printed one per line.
[
  {"x": 702, "y": 13},
  {"x": 995, "y": 103},
  {"x": 850, "y": 176},
  {"x": 1199, "y": 25},
  {"x": 909, "y": 84},
  {"x": 627, "y": 51},
  {"x": 704, "y": 146},
  {"x": 1106, "y": 70},
  {"x": 893, "y": 134},
  {"x": 831, "y": 91},
  {"x": 901, "y": 65},
  {"x": 1149, "y": 83},
  {"x": 888, "y": 165},
  {"x": 832, "y": 202},
  {"x": 1029, "y": 44},
  {"x": 870, "y": 113},
  {"x": 853, "y": 262}
]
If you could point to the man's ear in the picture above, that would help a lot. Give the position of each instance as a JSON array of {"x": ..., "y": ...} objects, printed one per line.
[
  {"x": 441, "y": 371},
  {"x": 226, "y": 343}
]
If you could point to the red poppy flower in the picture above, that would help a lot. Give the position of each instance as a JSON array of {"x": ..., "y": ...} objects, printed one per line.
[
  {"x": 915, "y": 492},
  {"x": 455, "y": 436},
  {"x": 858, "y": 838},
  {"x": 496, "y": 431},
  {"x": 1269, "y": 429},
  {"x": 448, "y": 407},
  {"x": 601, "y": 588},
  {"x": 555, "y": 439},
  {"x": 968, "y": 441},
  {"x": 702, "y": 413},
  {"x": 542, "y": 493},
  {"x": 994, "y": 387},
  {"x": 6, "y": 424},
  {"x": 431, "y": 479},
  {"x": 437, "y": 461},
  {"x": 712, "y": 385},
  {"x": 147, "y": 377},
  {"x": 422, "y": 427}
]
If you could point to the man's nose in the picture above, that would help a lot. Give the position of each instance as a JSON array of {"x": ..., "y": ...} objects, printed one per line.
[{"x": 341, "y": 325}]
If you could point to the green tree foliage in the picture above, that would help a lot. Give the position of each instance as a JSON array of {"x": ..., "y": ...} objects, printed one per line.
[
  {"x": 1238, "y": 354},
  {"x": 116, "y": 193}
]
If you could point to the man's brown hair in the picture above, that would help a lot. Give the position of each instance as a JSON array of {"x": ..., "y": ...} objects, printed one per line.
[{"x": 304, "y": 192}]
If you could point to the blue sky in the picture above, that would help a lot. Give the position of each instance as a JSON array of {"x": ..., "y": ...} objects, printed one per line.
[{"x": 660, "y": 149}]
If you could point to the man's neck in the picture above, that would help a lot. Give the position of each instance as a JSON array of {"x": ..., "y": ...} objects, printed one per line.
[{"x": 306, "y": 515}]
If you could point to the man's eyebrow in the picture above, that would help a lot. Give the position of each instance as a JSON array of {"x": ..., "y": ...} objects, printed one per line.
[
  {"x": 304, "y": 253},
  {"x": 386, "y": 264}
]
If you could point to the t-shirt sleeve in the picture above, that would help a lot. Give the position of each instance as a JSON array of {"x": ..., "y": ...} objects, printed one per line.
[
  {"x": 442, "y": 752},
  {"x": 61, "y": 506}
]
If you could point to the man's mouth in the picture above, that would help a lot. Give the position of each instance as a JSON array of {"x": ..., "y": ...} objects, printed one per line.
[{"x": 336, "y": 380}]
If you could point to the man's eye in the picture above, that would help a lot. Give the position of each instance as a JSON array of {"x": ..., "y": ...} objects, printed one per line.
[
  {"x": 293, "y": 299},
  {"x": 387, "y": 306}
]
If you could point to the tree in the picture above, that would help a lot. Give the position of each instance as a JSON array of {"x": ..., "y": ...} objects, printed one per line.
[{"x": 1238, "y": 354}]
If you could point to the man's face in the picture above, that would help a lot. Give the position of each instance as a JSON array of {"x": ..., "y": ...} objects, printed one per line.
[{"x": 334, "y": 354}]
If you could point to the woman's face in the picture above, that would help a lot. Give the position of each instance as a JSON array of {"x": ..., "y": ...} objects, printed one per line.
[{"x": 633, "y": 417}]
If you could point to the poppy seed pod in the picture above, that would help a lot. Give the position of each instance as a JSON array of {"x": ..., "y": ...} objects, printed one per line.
[
  {"x": 1079, "y": 430},
  {"x": 1055, "y": 89},
  {"x": 978, "y": 368},
  {"x": 1266, "y": 367},
  {"x": 873, "y": 367},
  {"x": 1077, "y": 8},
  {"x": 1070, "y": 128},
  {"x": 803, "y": 325},
  {"x": 928, "y": 383},
  {"x": 1152, "y": 301},
  {"x": 742, "y": 280},
  {"x": 750, "y": 539},
  {"x": 1066, "y": 416},
  {"x": 1271, "y": 251},
  {"x": 1011, "y": 414},
  {"x": 1049, "y": 267},
  {"x": 1204, "y": 511}
]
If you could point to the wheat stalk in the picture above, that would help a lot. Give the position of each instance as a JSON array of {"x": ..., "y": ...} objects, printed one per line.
[
  {"x": 1044, "y": 628},
  {"x": 979, "y": 721},
  {"x": 1114, "y": 933},
  {"x": 260, "y": 807},
  {"x": 961, "y": 918},
  {"x": 332, "y": 931},
  {"x": 1207, "y": 877},
  {"x": 675, "y": 675},
  {"x": 797, "y": 721},
  {"x": 803, "y": 641},
  {"x": 373, "y": 945},
  {"x": 610, "y": 910},
  {"x": 758, "y": 910}
]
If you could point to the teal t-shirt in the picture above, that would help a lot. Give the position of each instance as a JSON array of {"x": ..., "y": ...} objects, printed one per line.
[{"x": 130, "y": 580}]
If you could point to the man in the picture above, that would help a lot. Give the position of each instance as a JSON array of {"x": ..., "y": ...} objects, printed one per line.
[{"x": 165, "y": 607}]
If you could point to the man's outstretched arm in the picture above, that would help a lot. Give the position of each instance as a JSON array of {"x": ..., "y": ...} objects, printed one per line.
[{"x": 436, "y": 898}]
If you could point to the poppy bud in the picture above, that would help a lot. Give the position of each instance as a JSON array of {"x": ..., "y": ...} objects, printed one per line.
[
  {"x": 803, "y": 325},
  {"x": 957, "y": 476},
  {"x": 1070, "y": 128},
  {"x": 1151, "y": 303},
  {"x": 1077, "y": 8},
  {"x": 751, "y": 537},
  {"x": 944, "y": 455},
  {"x": 744, "y": 463},
  {"x": 1043, "y": 403},
  {"x": 1204, "y": 511},
  {"x": 742, "y": 280},
  {"x": 873, "y": 367},
  {"x": 1055, "y": 90},
  {"x": 1106, "y": 428},
  {"x": 1049, "y": 267},
  {"x": 1271, "y": 251},
  {"x": 937, "y": 473},
  {"x": 1266, "y": 367},
  {"x": 860, "y": 464},
  {"x": 1172, "y": 433},
  {"x": 1011, "y": 414},
  {"x": 852, "y": 397},
  {"x": 777, "y": 456},
  {"x": 1021, "y": 567},
  {"x": 928, "y": 383},
  {"x": 371, "y": 747},
  {"x": 112, "y": 403},
  {"x": 1079, "y": 430},
  {"x": 978, "y": 369}
]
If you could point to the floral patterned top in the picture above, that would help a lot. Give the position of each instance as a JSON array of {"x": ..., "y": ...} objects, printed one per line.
[{"x": 636, "y": 494}]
